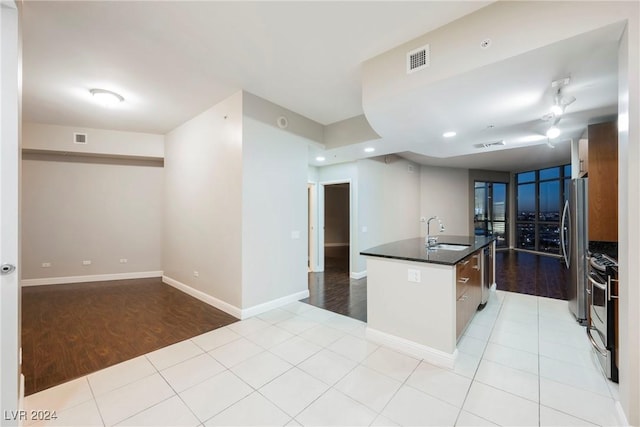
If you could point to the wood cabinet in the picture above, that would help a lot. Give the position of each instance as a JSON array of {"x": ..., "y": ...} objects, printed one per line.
[
  {"x": 603, "y": 182},
  {"x": 583, "y": 157},
  {"x": 468, "y": 290}
]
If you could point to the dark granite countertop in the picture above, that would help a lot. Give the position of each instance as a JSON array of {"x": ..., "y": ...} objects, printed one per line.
[{"x": 416, "y": 250}]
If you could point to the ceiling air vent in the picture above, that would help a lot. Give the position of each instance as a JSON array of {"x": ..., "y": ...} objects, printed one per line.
[
  {"x": 79, "y": 138},
  {"x": 418, "y": 59},
  {"x": 490, "y": 144}
]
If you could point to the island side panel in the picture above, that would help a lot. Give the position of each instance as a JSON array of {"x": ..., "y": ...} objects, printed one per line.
[{"x": 424, "y": 312}]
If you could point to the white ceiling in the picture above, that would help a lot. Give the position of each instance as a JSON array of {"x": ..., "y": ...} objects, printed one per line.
[{"x": 172, "y": 60}]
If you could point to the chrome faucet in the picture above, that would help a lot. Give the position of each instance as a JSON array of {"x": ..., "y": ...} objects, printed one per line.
[{"x": 432, "y": 240}]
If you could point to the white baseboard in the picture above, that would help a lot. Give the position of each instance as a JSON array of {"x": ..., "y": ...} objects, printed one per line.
[
  {"x": 358, "y": 274},
  {"x": 91, "y": 278},
  {"x": 215, "y": 302},
  {"x": 232, "y": 309},
  {"x": 270, "y": 305},
  {"x": 429, "y": 354},
  {"x": 335, "y": 245}
]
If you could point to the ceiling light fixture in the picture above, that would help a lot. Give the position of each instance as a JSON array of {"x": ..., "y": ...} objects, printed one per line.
[
  {"x": 369, "y": 150},
  {"x": 553, "y": 132},
  {"x": 449, "y": 134},
  {"x": 106, "y": 97},
  {"x": 320, "y": 159}
]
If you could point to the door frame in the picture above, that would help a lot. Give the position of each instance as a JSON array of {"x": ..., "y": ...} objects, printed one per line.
[
  {"x": 312, "y": 226},
  {"x": 10, "y": 375},
  {"x": 321, "y": 222}
]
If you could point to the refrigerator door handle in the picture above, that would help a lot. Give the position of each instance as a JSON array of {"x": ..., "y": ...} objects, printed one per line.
[{"x": 563, "y": 229}]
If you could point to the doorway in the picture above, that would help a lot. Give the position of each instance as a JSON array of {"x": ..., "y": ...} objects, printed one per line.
[
  {"x": 490, "y": 216},
  {"x": 337, "y": 230}
]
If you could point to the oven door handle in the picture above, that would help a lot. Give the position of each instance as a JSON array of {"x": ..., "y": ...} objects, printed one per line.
[
  {"x": 595, "y": 345},
  {"x": 599, "y": 285}
]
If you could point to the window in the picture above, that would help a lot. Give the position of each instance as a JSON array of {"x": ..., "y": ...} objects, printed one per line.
[
  {"x": 540, "y": 198},
  {"x": 490, "y": 211}
]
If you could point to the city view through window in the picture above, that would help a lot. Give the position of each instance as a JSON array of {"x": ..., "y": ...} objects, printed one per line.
[{"x": 540, "y": 198}]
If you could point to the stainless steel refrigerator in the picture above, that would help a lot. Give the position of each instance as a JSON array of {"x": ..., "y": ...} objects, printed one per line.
[{"x": 574, "y": 243}]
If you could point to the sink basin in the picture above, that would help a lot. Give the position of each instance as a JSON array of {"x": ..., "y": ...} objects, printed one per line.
[{"x": 450, "y": 247}]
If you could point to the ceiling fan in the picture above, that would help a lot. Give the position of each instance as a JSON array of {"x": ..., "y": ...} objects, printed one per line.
[{"x": 560, "y": 101}]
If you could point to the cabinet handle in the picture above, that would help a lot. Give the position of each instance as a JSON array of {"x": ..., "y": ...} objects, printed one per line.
[
  {"x": 463, "y": 279},
  {"x": 465, "y": 262}
]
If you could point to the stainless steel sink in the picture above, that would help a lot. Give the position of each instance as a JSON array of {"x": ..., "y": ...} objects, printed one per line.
[{"x": 450, "y": 247}]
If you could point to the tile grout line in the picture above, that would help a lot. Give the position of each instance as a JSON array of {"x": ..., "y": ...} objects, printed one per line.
[
  {"x": 95, "y": 401},
  {"x": 473, "y": 379}
]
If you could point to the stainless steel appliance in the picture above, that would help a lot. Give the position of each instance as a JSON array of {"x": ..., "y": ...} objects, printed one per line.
[
  {"x": 602, "y": 302},
  {"x": 487, "y": 273},
  {"x": 574, "y": 243}
]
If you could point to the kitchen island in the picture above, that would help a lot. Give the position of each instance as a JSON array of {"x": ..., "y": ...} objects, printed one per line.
[{"x": 420, "y": 301}]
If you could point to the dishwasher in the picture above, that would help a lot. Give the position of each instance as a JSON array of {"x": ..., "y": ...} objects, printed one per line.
[{"x": 487, "y": 273}]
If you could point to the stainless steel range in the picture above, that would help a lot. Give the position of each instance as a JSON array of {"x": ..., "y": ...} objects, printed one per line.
[{"x": 602, "y": 303}]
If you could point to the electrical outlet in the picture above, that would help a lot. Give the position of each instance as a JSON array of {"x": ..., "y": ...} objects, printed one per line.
[
  {"x": 123, "y": 260},
  {"x": 46, "y": 264},
  {"x": 295, "y": 234},
  {"x": 423, "y": 219},
  {"x": 196, "y": 274},
  {"x": 86, "y": 262},
  {"x": 364, "y": 228}
]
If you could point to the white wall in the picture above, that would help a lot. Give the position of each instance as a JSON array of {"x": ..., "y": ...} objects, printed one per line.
[
  {"x": 274, "y": 213},
  {"x": 203, "y": 202},
  {"x": 628, "y": 225},
  {"x": 388, "y": 202},
  {"x": 76, "y": 209},
  {"x": 444, "y": 192},
  {"x": 385, "y": 200}
]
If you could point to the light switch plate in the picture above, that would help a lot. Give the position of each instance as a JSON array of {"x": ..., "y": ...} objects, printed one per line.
[{"x": 413, "y": 275}]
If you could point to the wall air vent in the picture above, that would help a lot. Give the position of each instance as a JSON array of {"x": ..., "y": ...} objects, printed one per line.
[
  {"x": 418, "y": 59},
  {"x": 79, "y": 138},
  {"x": 490, "y": 144}
]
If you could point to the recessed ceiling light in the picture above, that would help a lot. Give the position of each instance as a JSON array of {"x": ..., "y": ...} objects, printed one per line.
[
  {"x": 106, "y": 97},
  {"x": 320, "y": 159},
  {"x": 449, "y": 134},
  {"x": 369, "y": 150},
  {"x": 553, "y": 132}
]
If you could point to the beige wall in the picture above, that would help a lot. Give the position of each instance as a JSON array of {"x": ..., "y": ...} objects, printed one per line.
[
  {"x": 203, "y": 202},
  {"x": 45, "y": 137},
  {"x": 444, "y": 192},
  {"x": 388, "y": 202},
  {"x": 77, "y": 208}
]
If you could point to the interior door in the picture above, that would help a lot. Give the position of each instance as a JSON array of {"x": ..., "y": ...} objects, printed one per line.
[{"x": 9, "y": 284}]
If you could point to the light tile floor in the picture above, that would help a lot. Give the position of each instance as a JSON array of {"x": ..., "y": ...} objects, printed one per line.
[{"x": 522, "y": 361}]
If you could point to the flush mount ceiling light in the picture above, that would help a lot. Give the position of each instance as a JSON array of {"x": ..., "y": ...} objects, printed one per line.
[
  {"x": 369, "y": 150},
  {"x": 106, "y": 97},
  {"x": 320, "y": 159},
  {"x": 449, "y": 134},
  {"x": 553, "y": 132}
]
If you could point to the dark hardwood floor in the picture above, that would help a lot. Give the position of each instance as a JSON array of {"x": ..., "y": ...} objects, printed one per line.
[
  {"x": 69, "y": 331},
  {"x": 532, "y": 274},
  {"x": 520, "y": 272},
  {"x": 335, "y": 290}
]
